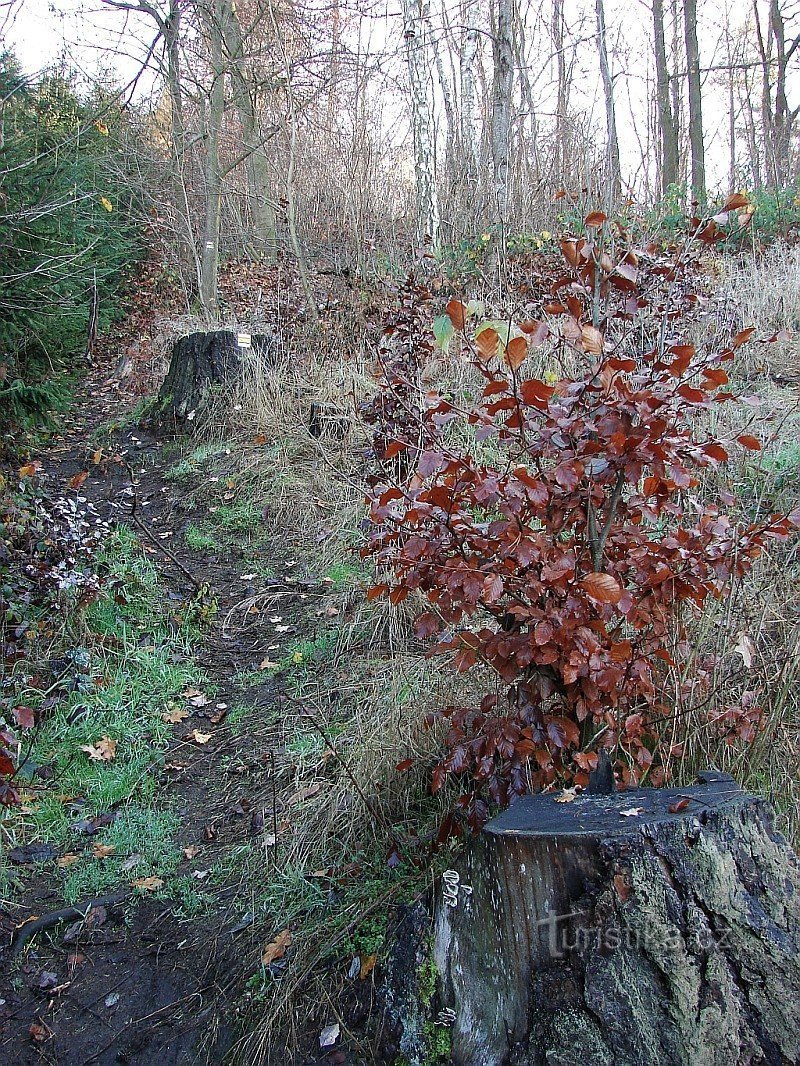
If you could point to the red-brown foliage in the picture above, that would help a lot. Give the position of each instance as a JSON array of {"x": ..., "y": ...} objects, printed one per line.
[{"x": 563, "y": 547}]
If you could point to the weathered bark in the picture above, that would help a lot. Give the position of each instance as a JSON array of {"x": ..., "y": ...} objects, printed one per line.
[
  {"x": 696, "y": 142},
  {"x": 614, "y": 930},
  {"x": 502, "y": 93},
  {"x": 415, "y": 21},
  {"x": 201, "y": 361},
  {"x": 613, "y": 179},
  {"x": 667, "y": 128}
]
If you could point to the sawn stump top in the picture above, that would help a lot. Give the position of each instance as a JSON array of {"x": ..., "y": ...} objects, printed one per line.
[{"x": 589, "y": 814}]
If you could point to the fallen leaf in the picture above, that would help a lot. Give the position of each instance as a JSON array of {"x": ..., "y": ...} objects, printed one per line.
[
  {"x": 277, "y": 948},
  {"x": 102, "y": 851},
  {"x": 77, "y": 480},
  {"x": 39, "y": 1032},
  {"x": 67, "y": 860},
  {"x": 681, "y": 805},
  {"x": 148, "y": 884},
  {"x": 45, "y": 980},
  {"x": 112, "y": 999},
  {"x": 30, "y": 853},
  {"x": 367, "y": 965},
  {"x": 189, "y": 693},
  {"x": 200, "y": 700},
  {"x": 306, "y": 793},
  {"x": 746, "y": 648},
  {"x": 568, "y": 795},
  {"x": 329, "y": 1035},
  {"x": 220, "y": 716},
  {"x": 200, "y": 738},
  {"x": 267, "y": 664},
  {"x": 190, "y": 852},
  {"x": 131, "y": 862},
  {"x": 631, "y": 812},
  {"x": 175, "y": 716},
  {"x": 105, "y": 750},
  {"x": 200, "y": 875}
]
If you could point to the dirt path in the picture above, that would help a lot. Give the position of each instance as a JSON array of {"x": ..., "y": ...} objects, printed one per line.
[{"x": 138, "y": 982}]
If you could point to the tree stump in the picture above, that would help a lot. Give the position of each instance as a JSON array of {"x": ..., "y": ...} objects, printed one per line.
[
  {"x": 201, "y": 361},
  {"x": 648, "y": 927}
]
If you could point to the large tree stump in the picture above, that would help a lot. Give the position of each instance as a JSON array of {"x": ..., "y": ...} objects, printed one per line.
[
  {"x": 202, "y": 361},
  {"x": 632, "y": 928}
]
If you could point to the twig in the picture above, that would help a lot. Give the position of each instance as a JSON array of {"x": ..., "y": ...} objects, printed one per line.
[
  {"x": 149, "y": 533},
  {"x": 22, "y": 935}
]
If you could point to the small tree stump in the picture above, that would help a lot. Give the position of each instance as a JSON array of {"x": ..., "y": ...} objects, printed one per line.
[
  {"x": 653, "y": 927},
  {"x": 201, "y": 361}
]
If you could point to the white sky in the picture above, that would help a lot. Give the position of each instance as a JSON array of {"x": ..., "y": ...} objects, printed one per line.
[{"x": 97, "y": 41}]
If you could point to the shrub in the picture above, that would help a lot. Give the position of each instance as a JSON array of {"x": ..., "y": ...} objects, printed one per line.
[{"x": 556, "y": 530}]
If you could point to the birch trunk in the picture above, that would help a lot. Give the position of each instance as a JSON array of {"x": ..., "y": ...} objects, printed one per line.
[
  {"x": 503, "y": 87},
  {"x": 418, "y": 58}
]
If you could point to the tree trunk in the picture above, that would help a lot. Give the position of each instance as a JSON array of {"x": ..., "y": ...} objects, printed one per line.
[
  {"x": 469, "y": 50},
  {"x": 695, "y": 102},
  {"x": 259, "y": 179},
  {"x": 651, "y": 927},
  {"x": 201, "y": 362},
  {"x": 667, "y": 129},
  {"x": 209, "y": 263},
  {"x": 562, "y": 90},
  {"x": 503, "y": 86},
  {"x": 613, "y": 179},
  {"x": 417, "y": 57}
]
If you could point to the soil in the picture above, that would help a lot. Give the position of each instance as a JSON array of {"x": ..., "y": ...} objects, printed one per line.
[{"x": 141, "y": 986}]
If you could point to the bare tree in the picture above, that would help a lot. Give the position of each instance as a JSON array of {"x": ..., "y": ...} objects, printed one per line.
[
  {"x": 667, "y": 127},
  {"x": 696, "y": 142},
  {"x": 415, "y": 32},
  {"x": 502, "y": 96},
  {"x": 612, "y": 179},
  {"x": 777, "y": 118}
]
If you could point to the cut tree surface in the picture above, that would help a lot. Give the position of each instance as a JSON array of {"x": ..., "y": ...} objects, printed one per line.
[
  {"x": 646, "y": 927},
  {"x": 201, "y": 361}
]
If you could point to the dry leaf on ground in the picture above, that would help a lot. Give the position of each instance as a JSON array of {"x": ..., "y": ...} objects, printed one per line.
[
  {"x": 105, "y": 750},
  {"x": 277, "y": 948}
]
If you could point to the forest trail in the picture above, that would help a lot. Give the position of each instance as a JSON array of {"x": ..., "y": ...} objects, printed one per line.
[{"x": 140, "y": 980}]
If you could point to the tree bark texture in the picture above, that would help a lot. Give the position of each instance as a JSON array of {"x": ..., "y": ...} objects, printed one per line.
[
  {"x": 502, "y": 93},
  {"x": 652, "y": 927},
  {"x": 415, "y": 22},
  {"x": 201, "y": 361},
  {"x": 696, "y": 143},
  {"x": 667, "y": 129}
]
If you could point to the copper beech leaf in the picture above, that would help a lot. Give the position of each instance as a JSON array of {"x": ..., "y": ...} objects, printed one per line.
[
  {"x": 457, "y": 313},
  {"x": 516, "y": 352},
  {"x": 602, "y": 588}
]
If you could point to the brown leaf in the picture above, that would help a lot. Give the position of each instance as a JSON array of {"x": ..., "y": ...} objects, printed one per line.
[
  {"x": 200, "y": 738},
  {"x": 148, "y": 884},
  {"x": 594, "y": 220},
  {"x": 277, "y": 948},
  {"x": 77, "y": 480},
  {"x": 602, "y": 588},
  {"x": 592, "y": 340},
  {"x": 567, "y": 796},
  {"x": 175, "y": 716},
  {"x": 516, "y": 352},
  {"x": 367, "y": 965},
  {"x": 457, "y": 313},
  {"x": 753, "y": 443},
  {"x": 67, "y": 860},
  {"x": 105, "y": 750},
  {"x": 681, "y": 805},
  {"x": 622, "y": 885},
  {"x": 486, "y": 342},
  {"x": 190, "y": 852},
  {"x": 102, "y": 851}
]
